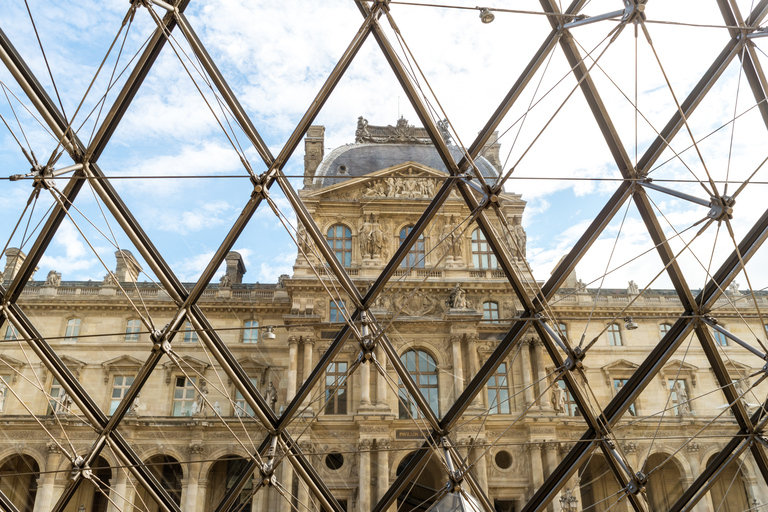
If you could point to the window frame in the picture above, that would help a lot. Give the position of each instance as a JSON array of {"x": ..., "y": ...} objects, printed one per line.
[
  {"x": 72, "y": 329},
  {"x": 405, "y": 404},
  {"x": 190, "y": 334},
  {"x": 632, "y": 410},
  {"x": 664, "y": 328},
  {"x": 416, "y": 257},
  {"x": 114, "y": 402},
  {"x": 340, "y": 245},
  {"x": 498, "y": 392},
  {"x": 4, "y": 399},
  {"x": 615, "y": 338},
  {"x": 337, "y": 389},
  {"x": 488, "y": 311},
  {"x": 335, "y": 308},
  {"x": 184, "y": 399},
  {"x": 53, "y": 402},
  {"x": 571, "y": 409},
  {"x": 721, "y": 340},
  {"x": 131, "y": 335},
  {"x": 11, "y": 333},
  {"x": 483, "y": 257},
  {"x": 251, "y": 331},
  {"x": 241, "y": 408}
]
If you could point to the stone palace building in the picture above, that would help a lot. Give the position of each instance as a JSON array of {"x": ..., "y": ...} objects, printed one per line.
[{"x": 448, "y": 307}]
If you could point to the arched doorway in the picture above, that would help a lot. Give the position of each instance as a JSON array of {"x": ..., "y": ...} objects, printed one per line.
[
  {"x": 168, "y": 472},
  {"x": 729, "y": 492},
  {"x": 18, "y": 481},
  {"x": 90, "y": 497},
  {"x": 222, "y": 477},
  {"x": 664, "y": 483},
  {"x": 599, "y": 489},
  {"x": 421, "y": 494}
]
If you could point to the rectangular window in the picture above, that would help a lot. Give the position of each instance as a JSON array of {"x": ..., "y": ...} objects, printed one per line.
[
  {"x": 614, "y": 335},
  {"x": 242, "y": 408},
  {"x": 73, "y": 329},
  {"x": 720, "y": 338},
  {"x": 336, "y": 308},
  {"x": 11, "y": 333},
  {"x": 498, "y": 391},
  {"x": 56, "y": 392},
  {"x": 617, "y": 385},
  {"x": 491, "y": 312},
  {"x": 678, "y": 390},
  {"x": 119, "y": 389},
  {"x": 251, "y": 332},
  {"x": 336, "y": 388},
  {"x": 132, "y": 330},
  {"x": 563, "y": 330},
  {"x": 190, "y": 336},
  {"x": 183, "y": 396}
]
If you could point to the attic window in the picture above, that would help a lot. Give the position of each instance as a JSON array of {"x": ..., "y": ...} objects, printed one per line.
[{"x": 342, "y": 168}]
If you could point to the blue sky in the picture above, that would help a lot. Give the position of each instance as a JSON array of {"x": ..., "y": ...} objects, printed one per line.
[{"x": 277, "y": 55}]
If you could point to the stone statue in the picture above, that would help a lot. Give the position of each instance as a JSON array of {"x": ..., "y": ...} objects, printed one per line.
[
  {"x": 733, "y": 288},
  {"x": 53, "y": 279},
  {"x": 362, "y": 134},
  {"x": 633, "y": 289},
  {"x": 364, "y": 236},
  {"x": 372, "y": 239},
  {"x": 452, "y": 238},
  {"x": 302, "y": 240},
  {"x": 683, "y": 407},
  {"x": 193, "y": 409},
  {"x": 65, "y": 403},
  {"x": 109, "y": 280},
  {"x": 134, "y": 409},
  {"x": 558, "y": 399},
  {"x": 271, "y": 395},
  {"x": 3, "y": 387},
  {"x": 520, "y": 239},
  {"x": 225, "y": 281},
  {"x": 217, "y": 408},
  {"x": 458, "y": 298},
  {"x": 201, "y": 398}
]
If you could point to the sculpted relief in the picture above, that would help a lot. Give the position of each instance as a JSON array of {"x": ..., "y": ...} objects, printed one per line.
[{"x": 408, "y": 184}]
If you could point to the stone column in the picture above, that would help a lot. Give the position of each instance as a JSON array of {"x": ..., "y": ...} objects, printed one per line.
[
  {"x": 309, "y": 349},
  {"x": 537, "y": 471},
  {"x": 706, "y": 502},
  {"x": 303, "y": 495},
  {"x": 382, "y": 470},
  {"x": 293, "y": 364},
  {"x": 481, "y": 466},
  {"x": 117, "y": 492},
  {"x": 365, "y": 385},
  {"x": 458, "y": 366},
  {"x": 541, "y": 374},
  {"x": 382, "y": 388},
  {"x": 474, "y": 366},
  {"x": 47, "y": 482},
  {"x": 287, "y": 480},
  {"x": 551, "y": 449},
  {"x": 525, "y": 360},
  {"x": 259, "y": 502},
  {"x": 191, "y": 497},
  {"x": 364, "y": 475}
]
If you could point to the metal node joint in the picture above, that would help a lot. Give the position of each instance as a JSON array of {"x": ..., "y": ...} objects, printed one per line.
[
  {"x": 634, "y": 11},
  {"x": 160, "y": 341},
  {"x": 367, "y": 340},
  {"x": 455, "y": 477},
  {"x": 81, "y": 469},
  {"x": 575, "y": 360},
  {"x": 267, "y": 469},
  {"x": 637, "y": 483}
]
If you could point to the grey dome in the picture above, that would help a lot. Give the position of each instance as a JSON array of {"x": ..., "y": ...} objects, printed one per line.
[{"x": 355, "y": 160}]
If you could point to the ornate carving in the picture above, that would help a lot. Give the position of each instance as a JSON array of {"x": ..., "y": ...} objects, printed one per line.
[
  {"x": 373, "y": 241},
  {"x": 53, "y": 279},
  {"x": 384, "y": 444},
  {"x": 196, "y": 449},
  {"x": 630, "y": 447},
  {"x": 418, "y": 304},
  {"x": 693, "y": 447},
  {"x": 365, "y": 445},
  {"x": 408, "y": 184},
  {"x": 400, "y": 133},
  {"x": 458, "y": 298}
]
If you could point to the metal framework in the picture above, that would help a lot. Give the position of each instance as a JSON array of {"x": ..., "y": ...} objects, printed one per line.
[{"x": 479, "y": 196}]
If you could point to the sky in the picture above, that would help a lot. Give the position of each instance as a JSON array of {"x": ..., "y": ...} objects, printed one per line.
[{"x": 184, "y": 180}]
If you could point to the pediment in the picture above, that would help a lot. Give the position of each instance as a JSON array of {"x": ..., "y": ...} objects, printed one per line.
[
  {"x": 14, "y": 364},
  {"x": 620, "y": 368},
  {"x": 74, "y": 365},
  {"x": 678, "y": 367},
  {"x": 398, "y": 181},
  {"x": 254, "y": 368},
  {"x": 120, "y": 364},
  {"x": 191, "y": 366}
]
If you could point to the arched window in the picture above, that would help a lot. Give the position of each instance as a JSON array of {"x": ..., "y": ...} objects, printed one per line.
[
  {"x": 251, "y": 332},
  {"x": 73, "y": 329},
  {"x": 222, "y": 477},
  {"x": 664, "y": 329},
  {"x": 415, "y": 257},
  {"x": 169, "y": 473},
  {"x": 664, "y": 483},
  {"x": 132, "y": 330},
  {"x": 491, "y": 311},
  {"x": 423, "y": 370},
  {"x": 614, "y": 335},
  {"x": 19, "y": 481},
  {"x": 482, "y": 256},
  {"x": 339, "y": 238}
]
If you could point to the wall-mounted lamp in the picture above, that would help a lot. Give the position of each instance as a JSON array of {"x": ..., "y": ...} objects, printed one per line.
[
  {"x": 486, "y": 16},
  {"x": 630, "y": 324},
  {"x": 270, "y": 333}
]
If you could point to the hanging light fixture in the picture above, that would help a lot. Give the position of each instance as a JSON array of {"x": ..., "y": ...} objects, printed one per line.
[
  {"x": 270, "y": 334},
  {"x": 486, "y": 16},
  {"x": 630, "y": 324}
]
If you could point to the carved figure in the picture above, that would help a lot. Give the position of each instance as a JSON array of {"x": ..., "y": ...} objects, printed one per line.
[
  {"x": 65, "y": 403},
  {"x": 520, "y": 239},
  {"x": 53, "y": 279},
  {"x": 733, "y": 288},
  {"x": 558, "y": 399},
  {"x": 364, "y": 238},
  {"x": 201, "y": 398},
  {"x": 193, "y": 409},
  {"x": 302, "y": 239},
  {"x": 225, "y": 281},
  {"x": 458, "y": 298},
  {"x": 377, "y": 238},
  {"x": 217, "y": 408},
  {"x": 633, "y": 289},
  {"x": 682, "y": 399},
  {"x": 3, "y": 387},
  {"x": 134, "y": 409},
  {"x": 271, "y": 395},
  {"x": 109, "y": 280},
  {"x": 362, "y": 134}
]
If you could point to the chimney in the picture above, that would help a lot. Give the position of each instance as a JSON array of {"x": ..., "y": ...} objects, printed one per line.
[
  {"x": 128, "y": 269},
  {"x": 13, "y": 261},
  {"x": 314, "y": 150},
  {"x": 491, "y": 151},
  {"x": 235, "y": 267}
]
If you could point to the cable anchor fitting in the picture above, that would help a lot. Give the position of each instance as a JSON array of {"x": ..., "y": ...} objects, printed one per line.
[
  {"x": 575, "y": 360},
  {"x": 367, "y": 343},
  {"x": 634, "y": 11},
  {"x": 637, "y": 484},
  {"x": 455, "y": 477},
  {"x": 159, "y": 340}
]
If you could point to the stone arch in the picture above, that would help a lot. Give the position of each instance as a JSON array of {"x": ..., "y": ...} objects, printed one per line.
[
  {"x": 18, "y": 480},
  {"x": 421, "y": 493},
  {"x": 221, "y": 474},
  {"x": 729, "y": 492},
  {"x": 219, "y": 453},
  {"x": 169, "y": 472},
  {"x": 11, "y": 451},
  {"x": 92, "y": 495},
  {"x": 665, "y": 481},
  {"x": 600, "y": 490}
]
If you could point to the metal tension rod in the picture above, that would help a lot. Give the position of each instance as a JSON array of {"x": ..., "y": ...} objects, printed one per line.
[
  {"x": 712, "y": 322},
  {"x": 719, "y": 207}
]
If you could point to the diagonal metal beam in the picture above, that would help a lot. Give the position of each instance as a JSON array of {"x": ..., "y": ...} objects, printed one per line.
[{"x": 6, "y": 504}]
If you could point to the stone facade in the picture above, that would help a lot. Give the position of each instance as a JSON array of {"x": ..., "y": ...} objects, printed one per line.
[{"x": 453, "y": 308}]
